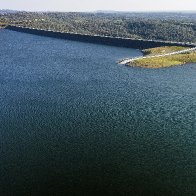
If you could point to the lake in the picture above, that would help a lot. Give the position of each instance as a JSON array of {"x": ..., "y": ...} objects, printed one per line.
[{"x": 74, "y": 122}]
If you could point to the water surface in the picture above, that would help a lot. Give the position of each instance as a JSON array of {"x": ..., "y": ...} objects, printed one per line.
[{"x": 73, "y": 122}]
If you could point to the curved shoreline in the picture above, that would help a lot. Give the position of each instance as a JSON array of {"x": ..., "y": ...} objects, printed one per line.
[
  {"x": 127, "y": 61},
  {"x": 156, "y": 57},
  {"x": 119, "y": 42}
]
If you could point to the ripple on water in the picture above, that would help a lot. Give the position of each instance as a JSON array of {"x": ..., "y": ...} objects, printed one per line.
[{"x": 74, "y": 121}]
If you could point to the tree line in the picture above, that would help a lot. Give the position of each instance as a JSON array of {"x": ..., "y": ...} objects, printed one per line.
[{"x": 180, "y": 27}]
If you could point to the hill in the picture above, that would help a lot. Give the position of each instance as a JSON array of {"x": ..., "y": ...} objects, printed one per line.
[{"x": 180, "y": 27}]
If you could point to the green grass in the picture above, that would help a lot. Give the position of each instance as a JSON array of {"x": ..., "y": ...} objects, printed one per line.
[
  {"x": 166, "y": 61},
  {"x": 163, "y": 50}
]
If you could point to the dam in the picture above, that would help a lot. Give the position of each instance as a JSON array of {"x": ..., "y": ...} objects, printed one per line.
[{"x": 97, "y": 39}]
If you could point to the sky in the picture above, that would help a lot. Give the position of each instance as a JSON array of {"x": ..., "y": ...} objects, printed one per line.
[{"x": 94, "y": 5}]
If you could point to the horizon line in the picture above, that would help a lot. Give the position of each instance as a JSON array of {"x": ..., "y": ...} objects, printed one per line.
[{"x": 100, "y": 11}]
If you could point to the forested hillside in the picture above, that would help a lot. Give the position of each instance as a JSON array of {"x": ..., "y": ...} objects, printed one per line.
[{"x": 151, "y": 26}]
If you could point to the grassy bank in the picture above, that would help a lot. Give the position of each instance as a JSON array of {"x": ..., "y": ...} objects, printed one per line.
[
  {"x": 165, "y": 61},
  {"x": 163, "y": 50}
]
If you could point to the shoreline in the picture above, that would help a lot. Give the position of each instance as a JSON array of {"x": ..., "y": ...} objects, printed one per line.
[
  {"x": 147, "y": 60},
  {"x": 155, "y": 58}
]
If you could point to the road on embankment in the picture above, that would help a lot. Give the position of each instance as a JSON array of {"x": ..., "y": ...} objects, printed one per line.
[{"x": 126, "y": 61}]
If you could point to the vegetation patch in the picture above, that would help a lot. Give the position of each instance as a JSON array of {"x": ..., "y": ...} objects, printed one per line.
[
  {"x": 163, "y": 50},
  {"x": 165, "y": 61},
  {"x": 176, "y": 27}
]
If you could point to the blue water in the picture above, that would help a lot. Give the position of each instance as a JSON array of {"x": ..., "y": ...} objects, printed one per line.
[{"x": 73, "y": 122}]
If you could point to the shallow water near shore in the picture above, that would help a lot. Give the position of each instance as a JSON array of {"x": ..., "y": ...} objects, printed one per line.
[{"x": 74, "y": 122}]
